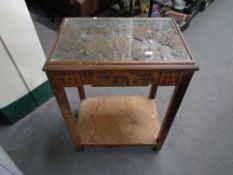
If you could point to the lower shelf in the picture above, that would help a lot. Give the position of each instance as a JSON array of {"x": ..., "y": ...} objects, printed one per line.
[{"x": 118, "y": 120}]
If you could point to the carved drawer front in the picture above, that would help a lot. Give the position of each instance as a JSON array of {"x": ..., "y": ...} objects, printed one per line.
[
  {"x": 116, "y": 78},
  {"x": 70, "y": 79},
  {"x": 166, "y": 77}
]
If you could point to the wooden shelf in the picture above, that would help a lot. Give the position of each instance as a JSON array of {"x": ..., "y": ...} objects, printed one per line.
[{"x": 118, "y": 120}]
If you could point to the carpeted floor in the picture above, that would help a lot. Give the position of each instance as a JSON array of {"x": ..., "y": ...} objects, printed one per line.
[{"x": 200, "y": 140}]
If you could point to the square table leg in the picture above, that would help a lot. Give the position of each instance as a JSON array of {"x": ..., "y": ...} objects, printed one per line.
[
  {"x": 64, "y": 106},
  {"x": 173, "y": 107},
  {"x": 81, "y": 91},
  {"x": 153, "y": 90}
]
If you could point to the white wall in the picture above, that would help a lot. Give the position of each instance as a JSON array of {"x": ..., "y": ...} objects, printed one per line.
[
  {"x": 19, "y": 34},
  {"x": 11, "y": 87}
]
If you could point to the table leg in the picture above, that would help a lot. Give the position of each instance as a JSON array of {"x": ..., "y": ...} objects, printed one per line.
[
  {"x": 121, "y": 4},
  {"x": 60, "y": 94},
  {"x": 153, "y": 90},
  {"x": 130, "y": 7},
  {"x": 150, "y": 8},
  {"x": 81, "y": 92},
  {"x": 173, "y": 107}
]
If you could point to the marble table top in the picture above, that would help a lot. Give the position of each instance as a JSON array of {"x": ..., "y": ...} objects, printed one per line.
[{"x": 119, "y": 39}]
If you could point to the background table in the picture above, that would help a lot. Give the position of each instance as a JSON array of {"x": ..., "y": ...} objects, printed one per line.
[{"x": 119, "y": 52}]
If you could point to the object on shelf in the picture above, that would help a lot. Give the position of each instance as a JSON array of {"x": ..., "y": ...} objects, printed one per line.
[
  {"x": 176, "y": 4},
  {"x": 180, "y": 4},
  {"x": 168, "y": 3},
  {"x": 205, "y": 4},
  {"x": 185, "y": 6},
  {"x": 156, "y": 10},
  {"x": 133, "y": 8},
  {"x": 197, "y": 6},
  {"x": 143, "y": 5},
  {"x": 182, "y": 19}
]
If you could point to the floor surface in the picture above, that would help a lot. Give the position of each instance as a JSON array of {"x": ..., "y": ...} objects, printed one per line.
[{"x": 200, "y": 140}]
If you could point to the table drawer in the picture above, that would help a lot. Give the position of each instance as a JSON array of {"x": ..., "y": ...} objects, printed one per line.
[
  {"x": 70, "y": 79},
  {"x": 116, "y": 78},
  {"x": 165, "y": 77}
]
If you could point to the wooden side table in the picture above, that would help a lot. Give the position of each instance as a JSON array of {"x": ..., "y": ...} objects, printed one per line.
[{"x": 119, "y": 52}]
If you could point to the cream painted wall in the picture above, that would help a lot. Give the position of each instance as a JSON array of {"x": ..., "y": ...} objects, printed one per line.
[
  {"x": 20, "y": 37},
  {"x": 19, "y": 34},
  {"x": 11, "y": 87}
]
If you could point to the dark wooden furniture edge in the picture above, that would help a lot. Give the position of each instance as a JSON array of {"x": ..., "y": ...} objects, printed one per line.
[
  {"x": 67, "y": 67},
  {"x": 52, "y": 65},
  {"x": 183, "y": 40}
]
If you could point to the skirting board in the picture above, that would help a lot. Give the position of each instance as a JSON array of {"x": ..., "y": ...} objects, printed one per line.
[{"x": 26, "y": 104}]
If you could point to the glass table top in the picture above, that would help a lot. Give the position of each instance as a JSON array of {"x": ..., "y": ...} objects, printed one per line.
[{"x": 119, "y": 39}]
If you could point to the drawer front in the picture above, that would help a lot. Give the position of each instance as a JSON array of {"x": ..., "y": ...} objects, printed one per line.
[
  {"x": 70, "y": 79},
  {"x": 116, "y": 78},
  {"x": 166, "y": 77},
  {"x": 121, "y": 78}
]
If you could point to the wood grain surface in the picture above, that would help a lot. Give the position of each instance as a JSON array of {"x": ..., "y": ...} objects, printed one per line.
[{"x": 118, "y": 120}]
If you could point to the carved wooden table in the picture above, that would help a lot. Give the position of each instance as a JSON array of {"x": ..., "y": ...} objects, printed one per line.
[{"x": 119, "y": 52}]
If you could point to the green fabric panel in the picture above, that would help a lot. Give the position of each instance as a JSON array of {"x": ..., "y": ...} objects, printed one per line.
[
  {"x": 19, "y": 108},
  {"x": 26, "y": 104},
  {"x": 42, "y": 93}
]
